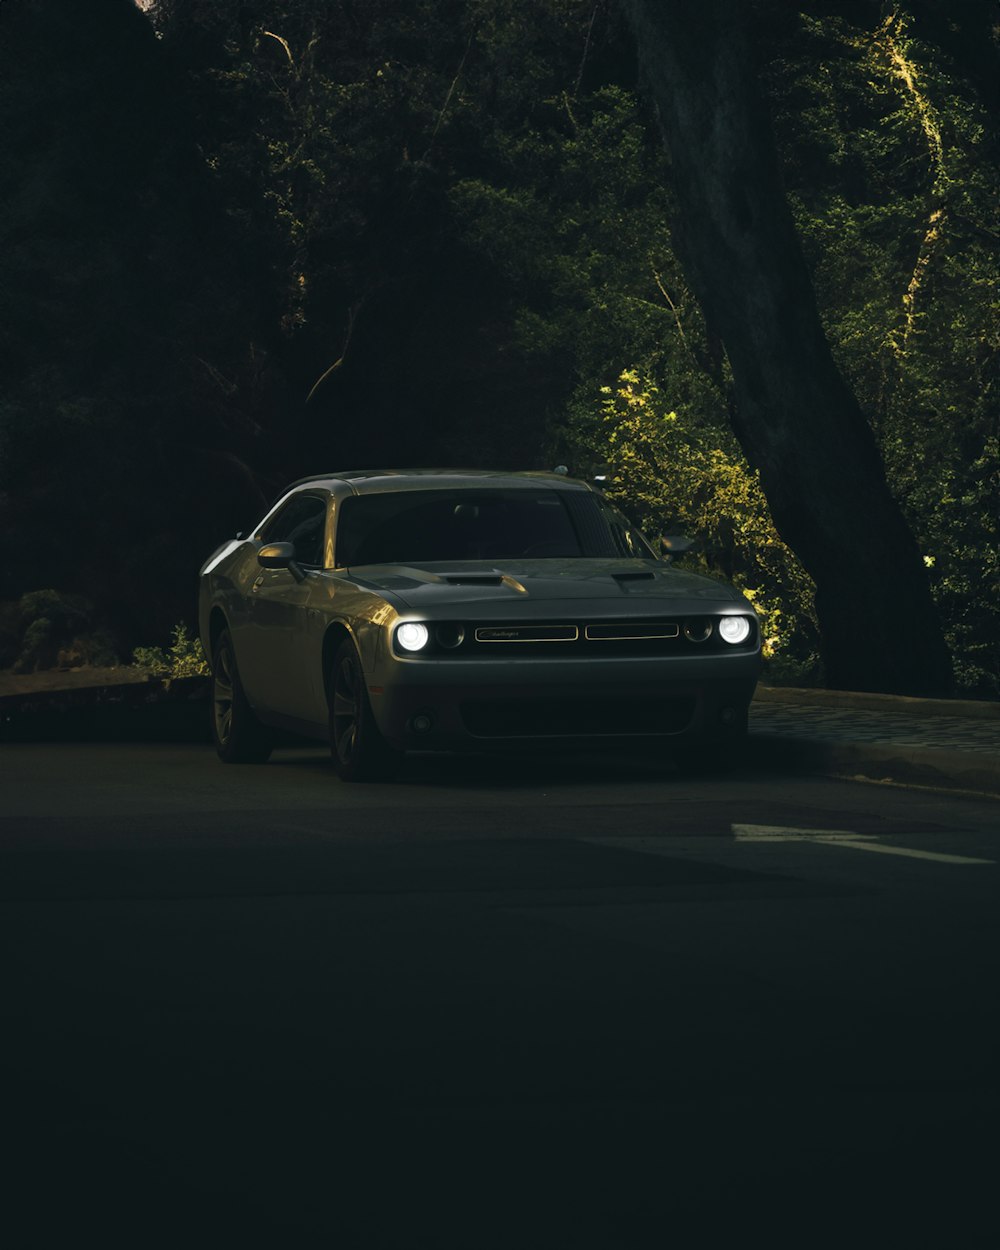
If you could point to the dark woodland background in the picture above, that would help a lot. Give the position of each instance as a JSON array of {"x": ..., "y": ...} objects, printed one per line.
[{"x": 740, "y": 257}]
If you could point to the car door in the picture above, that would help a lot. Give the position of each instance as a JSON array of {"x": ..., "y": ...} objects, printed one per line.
[{"x": 280, "y": 661}]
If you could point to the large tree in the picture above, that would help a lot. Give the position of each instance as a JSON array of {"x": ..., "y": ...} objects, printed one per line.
[{"x": 796, "y": 418}]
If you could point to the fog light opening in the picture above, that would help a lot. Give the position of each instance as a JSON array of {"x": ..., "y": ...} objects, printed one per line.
[
  {"x": 450, "y": 636},
  {"x": 422, "y": 723},
  {"x": 698, "y": 629},
  {"x": 728, "y": 716}
]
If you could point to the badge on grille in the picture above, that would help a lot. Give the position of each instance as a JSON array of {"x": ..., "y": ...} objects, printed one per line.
[{"x": 527, "y": 633}]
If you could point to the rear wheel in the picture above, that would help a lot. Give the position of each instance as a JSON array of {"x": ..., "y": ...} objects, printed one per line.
[
  {"x": 359, "y": 750},
  {"x": 239, "y": 736}
]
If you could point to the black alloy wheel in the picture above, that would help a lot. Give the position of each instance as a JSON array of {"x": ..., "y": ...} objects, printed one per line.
[
  {"x": 356, "y": 743},
  {"x": 239, "y": 736}
]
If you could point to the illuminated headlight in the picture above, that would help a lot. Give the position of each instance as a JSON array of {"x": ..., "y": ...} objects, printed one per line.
[
  {"x": 734, "y": 629},
  {"x": 412, "y": 636}
]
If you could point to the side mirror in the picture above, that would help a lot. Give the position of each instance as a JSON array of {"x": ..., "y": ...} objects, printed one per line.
[
  {"x": 281, "y": 556},
  {"x": 673, "y": 545}
]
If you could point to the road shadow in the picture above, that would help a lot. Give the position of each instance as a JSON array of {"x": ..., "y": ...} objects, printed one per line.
[{"x": 528, "y": 769}]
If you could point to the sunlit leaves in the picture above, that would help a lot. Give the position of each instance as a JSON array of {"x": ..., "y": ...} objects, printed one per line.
[
  {"x": 897, "y": 199},
  {"x": 675, "y": 474}
]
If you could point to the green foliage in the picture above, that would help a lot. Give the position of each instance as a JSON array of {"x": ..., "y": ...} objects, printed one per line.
[
  {"x": 184, "y": 658},
  {"x": 892, "y": 160},
  {"x": 674, "y": 474},
  {"x": 575, "y": 217},
  {"x": 48, "y": 629}
]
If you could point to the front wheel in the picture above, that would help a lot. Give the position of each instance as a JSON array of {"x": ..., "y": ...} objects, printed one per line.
[
  {"x": 356, "y": 743},
  {"x": 239, "y": 736}
]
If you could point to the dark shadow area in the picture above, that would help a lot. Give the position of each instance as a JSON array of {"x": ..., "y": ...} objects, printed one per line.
[
  {"x": 694, "y": 1161},
  {"x": 153, "y": 711},
  {"x": 403, "y": 867},
  {"x": 529, "y": 767}
]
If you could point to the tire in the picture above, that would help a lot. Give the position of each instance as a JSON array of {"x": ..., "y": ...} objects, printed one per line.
[
  {"x": 356, "y": 743},
  {"x": 238, "y": 735}
]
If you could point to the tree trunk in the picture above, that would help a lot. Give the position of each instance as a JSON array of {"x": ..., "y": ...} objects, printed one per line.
[{"x": 796, "y": 418}]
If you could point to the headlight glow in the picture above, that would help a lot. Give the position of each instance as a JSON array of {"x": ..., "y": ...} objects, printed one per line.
[
  {"x": 734, "y": 629},
  {"x": 412, "y": 636}
]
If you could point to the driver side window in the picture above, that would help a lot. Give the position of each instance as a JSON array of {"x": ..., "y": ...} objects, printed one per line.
[
  {"x": 301, "y": 522},
  {"x": 627, "y": 539}
]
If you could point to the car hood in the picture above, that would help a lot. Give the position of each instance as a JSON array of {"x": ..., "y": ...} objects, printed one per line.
[{"x": 488, "y": 582}]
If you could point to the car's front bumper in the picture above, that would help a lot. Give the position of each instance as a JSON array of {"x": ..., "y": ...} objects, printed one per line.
[{"x": 448, "y": 704}]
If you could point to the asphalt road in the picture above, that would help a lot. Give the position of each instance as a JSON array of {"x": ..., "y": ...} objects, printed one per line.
[{"x": 526, "y": 1003}]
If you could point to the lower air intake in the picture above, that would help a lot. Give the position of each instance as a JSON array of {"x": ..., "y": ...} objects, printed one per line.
[{"x": 546, "y": 718}]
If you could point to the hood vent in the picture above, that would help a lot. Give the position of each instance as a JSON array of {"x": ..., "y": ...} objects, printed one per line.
[
  {"x": 634, "y": 577},
  {"x": 484, "y": 580}
]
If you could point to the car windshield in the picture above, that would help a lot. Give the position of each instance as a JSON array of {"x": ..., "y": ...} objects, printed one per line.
[{"x": 408, "y": 527}]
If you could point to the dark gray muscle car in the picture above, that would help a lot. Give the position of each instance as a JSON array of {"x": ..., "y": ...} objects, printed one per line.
[{"x": 466, "y": 611}]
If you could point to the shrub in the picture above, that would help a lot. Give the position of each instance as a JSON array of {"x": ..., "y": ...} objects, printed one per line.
[
  {"x": 674, "y": 475},
  {"x": 49, "y": 629},
  {"x": 184, "y": 658}
]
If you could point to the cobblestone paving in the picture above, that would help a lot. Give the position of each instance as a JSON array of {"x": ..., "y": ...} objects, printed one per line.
[{"x": 954, "y": 733}]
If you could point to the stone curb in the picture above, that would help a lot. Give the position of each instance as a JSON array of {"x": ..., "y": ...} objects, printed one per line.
[
  {"x": 929, "y": 767},
  {"x": 897, "y": 704}
]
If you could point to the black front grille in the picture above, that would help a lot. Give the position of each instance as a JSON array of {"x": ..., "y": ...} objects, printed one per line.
[
  {"x": 598, "y": 717},
  {"x": 632, "y": 631},
  {"x": 556, "y": 639},
  {"x": 565, "y": 639}
]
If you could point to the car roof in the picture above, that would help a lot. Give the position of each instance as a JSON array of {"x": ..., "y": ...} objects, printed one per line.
[{"x": 377, "y": 481}]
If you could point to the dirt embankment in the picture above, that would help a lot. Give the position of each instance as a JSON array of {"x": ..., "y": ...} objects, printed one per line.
[{"x": 12, "y": 683}]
